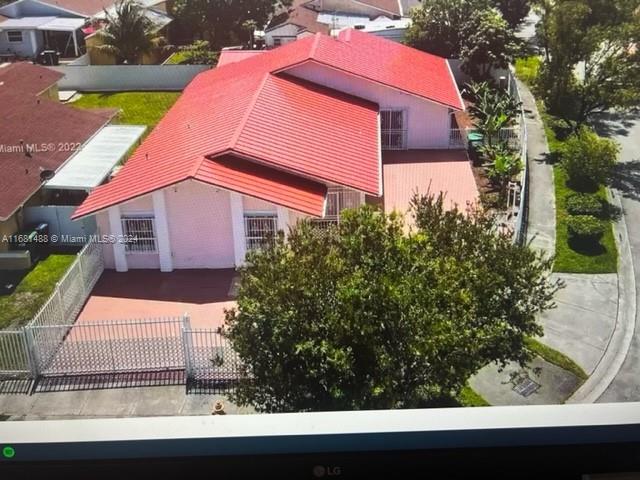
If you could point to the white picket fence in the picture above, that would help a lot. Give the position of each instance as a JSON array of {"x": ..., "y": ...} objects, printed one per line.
[{"x": 61, "y": 309}]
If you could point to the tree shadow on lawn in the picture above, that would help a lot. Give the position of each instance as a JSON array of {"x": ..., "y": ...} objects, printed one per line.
[
  {"x": 626, "y": 179},
  {"x": 586, "y": 247}
]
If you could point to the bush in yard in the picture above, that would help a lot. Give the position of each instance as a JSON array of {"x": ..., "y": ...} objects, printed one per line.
[
  {"x": 585, "y": 204},
  {"x": 588, "y": 159},
  {"x": 585, "y": 227},
  {"x": 368, "y": 316}
]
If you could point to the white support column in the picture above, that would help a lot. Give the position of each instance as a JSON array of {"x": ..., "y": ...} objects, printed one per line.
[
  {"x": 115, "y": 225},
  {"x": 75, "y": 43},
  {"x": 237, "y": 224},
  {"x": 162, "y": 231},
  {"x": 283, "y": 219},
  {"x": 34, "y": 42}
]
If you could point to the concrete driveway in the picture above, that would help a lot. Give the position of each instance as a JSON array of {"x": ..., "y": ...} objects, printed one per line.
[{"x": 202, "y": 294}]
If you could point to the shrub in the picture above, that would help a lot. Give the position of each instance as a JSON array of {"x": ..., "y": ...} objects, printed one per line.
[
  {"x": 588, "y": 159},
  {"x": 585, "y": 227},
  {"x": 585, "y": 204}
]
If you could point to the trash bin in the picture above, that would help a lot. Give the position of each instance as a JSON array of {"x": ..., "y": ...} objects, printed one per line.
[
  {"x": 49, "y": 57},
  {"x": 476, "y": 140}
]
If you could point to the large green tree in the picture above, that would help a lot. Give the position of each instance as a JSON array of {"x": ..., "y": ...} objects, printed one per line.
[
  {"x": 513, "y": 11},
  {"x": 438, "y": 26},
  {"x": 591, "y": 62},
  {"x": 129, "y": 33},
  {"x": 367, "y": 316},
  {"x": 472, "y": 30},
  {"x": 224, "y": 22},
  {"x": 488, "y": 42}
]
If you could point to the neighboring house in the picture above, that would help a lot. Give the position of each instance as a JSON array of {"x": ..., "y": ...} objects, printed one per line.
[
  {"x": 28, "y": 27},
  {"x": 51, "y": 154},
  {"x": 305, "y": 130},
  {"x": 387, "y": 18},
  {"x": 31, "y": 122}
]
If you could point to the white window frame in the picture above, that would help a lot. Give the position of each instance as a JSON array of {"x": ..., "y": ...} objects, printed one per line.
[
  {"x": 10, "y": 32},
  {"x": 255, "y": 242},
  {"x": 146, "y": 243},
  {"x": 386, "y": 135}
]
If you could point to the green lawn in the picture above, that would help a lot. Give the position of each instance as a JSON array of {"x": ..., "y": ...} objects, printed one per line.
[
  {"x": 527, "y": 69},
  {"x": 556, "y": 358},
  {"x": 20, "y": 306},
  {"x": 137, "y": 108},
  {"x": 604, "y": 258},
  {"x": 470, "y": 398}
]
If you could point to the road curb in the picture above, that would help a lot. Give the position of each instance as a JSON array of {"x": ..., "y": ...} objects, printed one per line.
[{"x": 620, "y": 341}]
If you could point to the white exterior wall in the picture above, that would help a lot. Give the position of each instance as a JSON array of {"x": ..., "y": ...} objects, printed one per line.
[
  {"x": 102, "y": 219},
  {"x": 199, "y": 220},
  {"x": 427, "y": 123},
  {"x": 288, "y": 33},
  {"x": 32, "y": 42},
  {"x": 348, "y": 6},
  {"x": 200, "y": 233}
]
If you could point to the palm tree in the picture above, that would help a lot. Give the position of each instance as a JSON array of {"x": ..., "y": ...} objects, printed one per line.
[{"x": 128, "y": 33}]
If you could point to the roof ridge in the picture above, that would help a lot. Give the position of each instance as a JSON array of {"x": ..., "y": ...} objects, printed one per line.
[
  {"x": 314, "y": 45},
  {"x": 247, "y": 113}
]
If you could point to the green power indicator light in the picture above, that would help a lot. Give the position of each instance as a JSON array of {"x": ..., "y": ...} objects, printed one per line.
[{"x": 8, "y": 452}]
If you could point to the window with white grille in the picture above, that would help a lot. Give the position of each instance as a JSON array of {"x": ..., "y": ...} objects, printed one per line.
[
  {"x": 14, "y": 36},
  {"x": 393, "y": 130},
  {"x": 339, "y": 199},
  {"x": 259, "y": 229},
  {"x": 139, "y": 232}
]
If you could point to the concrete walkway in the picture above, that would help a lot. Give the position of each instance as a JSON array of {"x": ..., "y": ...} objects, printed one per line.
[
  {"x": 583, "y": 322},
  {"x": 117, "y": 402},
  {"x": 541, "y": 221}
]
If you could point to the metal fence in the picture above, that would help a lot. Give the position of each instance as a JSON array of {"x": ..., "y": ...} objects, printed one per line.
[
  {"x": 210, "y": 357},
  {"x": 61, "y": 309},
  {"x": 14, "y": 354},
  {"x": 144, "y": 345},
  {"x": 520, "y": 229}
]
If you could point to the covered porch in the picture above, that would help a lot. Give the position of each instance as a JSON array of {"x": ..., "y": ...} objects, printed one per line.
[
  {"x": 406, "y": 172},
  {"x": 202, "y": 294}
]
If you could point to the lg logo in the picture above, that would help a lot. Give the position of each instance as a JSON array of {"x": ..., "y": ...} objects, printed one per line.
[{"x": 319, "y": 471}]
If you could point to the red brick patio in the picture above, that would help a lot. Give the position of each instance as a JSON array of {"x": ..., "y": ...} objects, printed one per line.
[{"x": 203, "y": 294}]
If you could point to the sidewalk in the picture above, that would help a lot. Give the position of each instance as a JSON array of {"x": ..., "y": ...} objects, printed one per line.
[
  {"x": 541, "y": 225},
  {"x": 108, "y": 403},
  {"x": 594, "y": 321}
]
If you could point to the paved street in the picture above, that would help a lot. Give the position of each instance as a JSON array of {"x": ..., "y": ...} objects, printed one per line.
[{"x": 626, "y": 130}]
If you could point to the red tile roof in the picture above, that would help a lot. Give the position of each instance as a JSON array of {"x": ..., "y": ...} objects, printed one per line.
[
  {"x": 389, "y": 63},
  {"x": 410, "y": 171},
  {"x": 266, "y": 183},
  {"x": 42, "y": 123},
  {"x": 232, "y": 56},
  {"x": 28, "y": 78},
  {"x": 248, "y": 110}
]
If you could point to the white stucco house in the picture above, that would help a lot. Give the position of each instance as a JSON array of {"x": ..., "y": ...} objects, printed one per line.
[
  {"x": 29, "y": 26},
  {"x": 385, "y": 18},
  {"x": 305, "y": 130}
]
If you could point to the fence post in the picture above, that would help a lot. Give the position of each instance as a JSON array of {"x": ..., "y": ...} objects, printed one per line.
[
  {"x": 60, "y": 303},
  {"x": 82, "y": 279},
  {"x": 32, "y": 353},
  {"x": 187, "y": 338}
]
